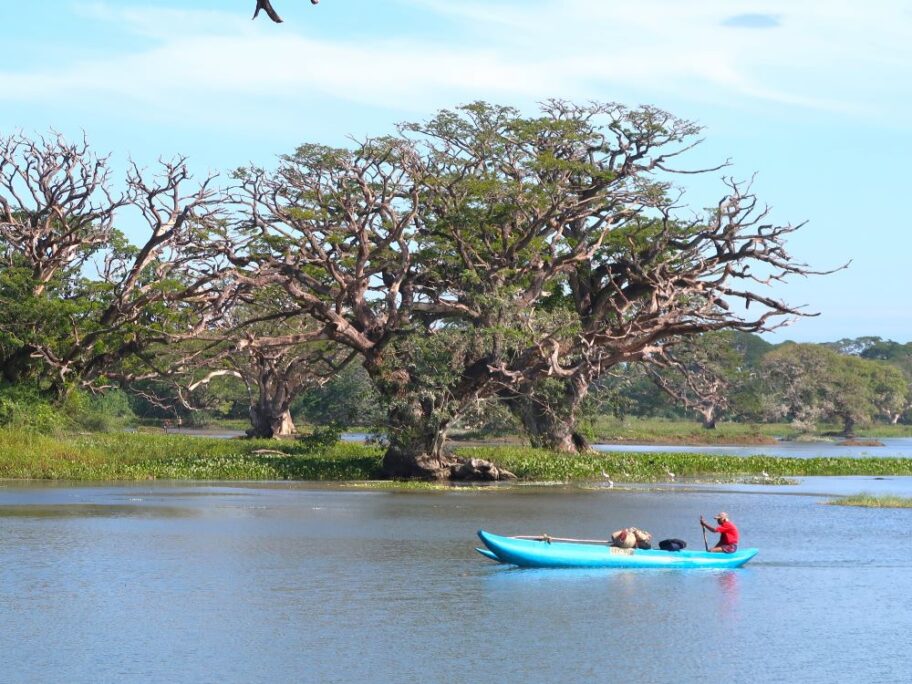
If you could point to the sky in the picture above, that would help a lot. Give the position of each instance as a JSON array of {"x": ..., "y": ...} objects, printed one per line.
[{"x": 813, "y": 99}]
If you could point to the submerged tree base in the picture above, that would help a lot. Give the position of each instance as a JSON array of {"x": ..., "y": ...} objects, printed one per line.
[{"x": 400, "y": 465}]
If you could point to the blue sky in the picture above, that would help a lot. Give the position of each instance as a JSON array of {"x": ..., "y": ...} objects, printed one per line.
[{"x": 814, "y": 97}]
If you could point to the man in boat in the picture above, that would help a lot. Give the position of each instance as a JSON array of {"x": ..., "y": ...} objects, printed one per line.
[{"x": 728, "y": 534}]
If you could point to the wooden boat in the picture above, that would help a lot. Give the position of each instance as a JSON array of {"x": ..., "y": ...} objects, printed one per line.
[{"x": 544, "y": 553}]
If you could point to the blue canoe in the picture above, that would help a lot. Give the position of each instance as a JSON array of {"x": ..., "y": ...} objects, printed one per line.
[{"x": 532, "y": 553}]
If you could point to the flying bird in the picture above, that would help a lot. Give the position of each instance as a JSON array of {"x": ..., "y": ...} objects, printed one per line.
[{"x": 266, "y": 6}]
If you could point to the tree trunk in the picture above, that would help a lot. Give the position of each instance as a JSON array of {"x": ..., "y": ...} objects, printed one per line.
[
  {"x": 546, "y": 430},
  {"x": 709, "y": 417},
  {"x": 417, "y": 429},
  {"x": 270, "y": 414},
  {"x": 549, "y": 420},
  {"x": 416, "y": 437},
  {"x": 417, "y": 434},
  {"x": 848, "y": 426},
  {"x": 268, "y": 421}
]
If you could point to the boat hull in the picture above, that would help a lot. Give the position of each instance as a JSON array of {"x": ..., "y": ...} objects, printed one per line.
[
  {"x": 530, "y": 553},
  {"x": 488, "y": 554}
]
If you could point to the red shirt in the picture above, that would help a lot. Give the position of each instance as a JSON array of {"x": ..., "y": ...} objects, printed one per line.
[{"x": 728, "y": 531}]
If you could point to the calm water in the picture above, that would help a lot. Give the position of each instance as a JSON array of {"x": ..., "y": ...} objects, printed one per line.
[
  {"x": 895, "y": 447},
  {"x": 296, "y": 583}
]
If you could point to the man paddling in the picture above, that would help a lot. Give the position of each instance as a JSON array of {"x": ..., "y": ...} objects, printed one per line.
[{"x": 728, "y": 534}]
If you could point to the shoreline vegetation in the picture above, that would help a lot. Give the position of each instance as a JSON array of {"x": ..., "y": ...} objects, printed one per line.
[
  {"x": 113, "y": 457},
  {"x": 872, "y": 501}
]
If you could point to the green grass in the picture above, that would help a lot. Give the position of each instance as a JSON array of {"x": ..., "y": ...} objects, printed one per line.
[
  {"x": 885, "y": 431},
  {"x": 121, "y": 456},
  {"x": 664, "y": 431},
  {"x": 539, "y": 464},
  {"x": 871, "y": 501},
  {"x": 656, "y": 430},
  {"x": 116, "y": 456}
]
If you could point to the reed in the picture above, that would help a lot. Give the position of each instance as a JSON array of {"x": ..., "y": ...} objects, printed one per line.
[{"x": 871, "y": 501}]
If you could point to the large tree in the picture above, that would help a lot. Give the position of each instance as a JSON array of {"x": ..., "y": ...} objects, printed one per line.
[
  {"x": 701, "y": 375},
  {"x": 657, "y": 280},
  {"x": 80, "y": 303},
  {"x": 276, "y": 352},
  {"x": 278, "y": 358},
  {"x": 484, "y": 250}
]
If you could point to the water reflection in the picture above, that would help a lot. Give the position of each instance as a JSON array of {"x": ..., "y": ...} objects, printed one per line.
[
  {"x": 94, "y": 511},
  {"x": 730, "y": 592}
]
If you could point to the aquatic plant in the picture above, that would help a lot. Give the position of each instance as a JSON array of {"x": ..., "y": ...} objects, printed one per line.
[{"x": 132, "y": 456}]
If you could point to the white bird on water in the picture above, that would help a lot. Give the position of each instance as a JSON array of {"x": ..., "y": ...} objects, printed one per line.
[{"x": 607, "y": 479}]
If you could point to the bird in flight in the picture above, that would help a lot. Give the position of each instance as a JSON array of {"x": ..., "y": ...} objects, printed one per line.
[{"x": 266, "y": 6}]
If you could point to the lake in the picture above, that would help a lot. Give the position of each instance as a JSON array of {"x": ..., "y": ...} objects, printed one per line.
[
  {"x": 893, "y": 447},
  {"x": 296, "y": 582}
]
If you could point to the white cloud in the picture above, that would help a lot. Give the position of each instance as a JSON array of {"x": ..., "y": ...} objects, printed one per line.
[{"x": 821, "y": 56}]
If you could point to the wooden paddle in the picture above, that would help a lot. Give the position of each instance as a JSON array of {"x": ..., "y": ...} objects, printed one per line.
[
  {"x": 705, "y": 543},
  {"x": 548, "y": 538}
]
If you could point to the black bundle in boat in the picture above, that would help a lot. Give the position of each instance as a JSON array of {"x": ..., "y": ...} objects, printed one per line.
[{"x": 672, "y": 544}]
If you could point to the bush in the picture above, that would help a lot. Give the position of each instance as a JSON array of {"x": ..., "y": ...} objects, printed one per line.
[
  {"x": 23, "y": 408},
  {"x": 321, "y": 438},
  {"x": 107, "y": 412},
  {"x": 349, "y": 399}
]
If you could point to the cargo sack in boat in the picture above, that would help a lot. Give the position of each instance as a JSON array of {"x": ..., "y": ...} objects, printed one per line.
[
  {"x": 643, "y": 538},
  {"x": 672, "y": 544},
  {"x": 624, "y": 539}
]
